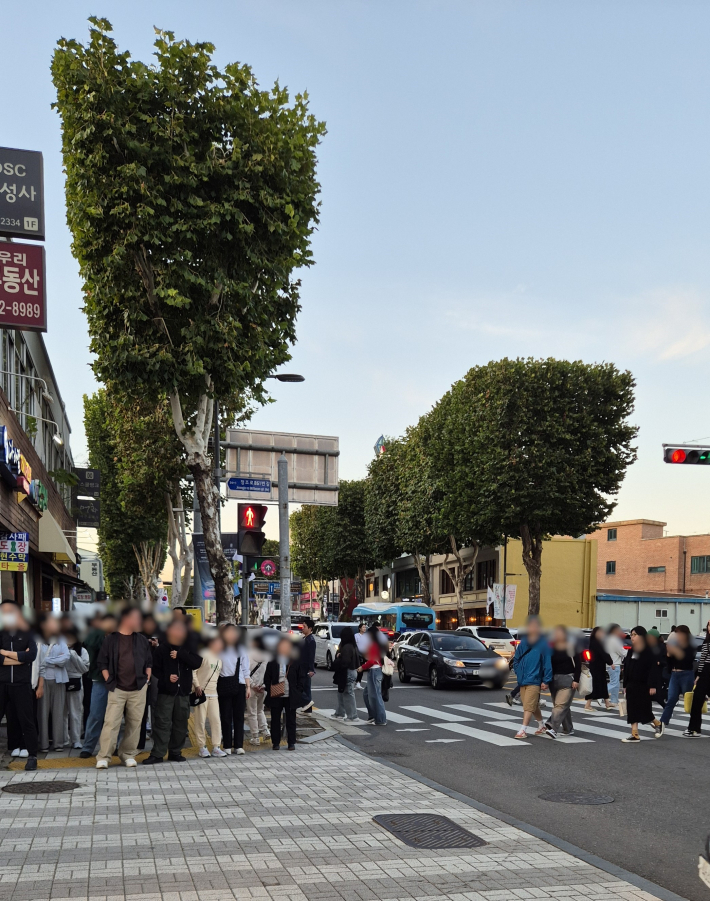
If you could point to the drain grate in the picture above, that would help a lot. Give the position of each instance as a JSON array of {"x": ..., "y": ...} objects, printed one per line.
[
  {"x": 428, "y": 830},
  {"x": 578, "y": 797},
  {"x": 40, "y": 788}
]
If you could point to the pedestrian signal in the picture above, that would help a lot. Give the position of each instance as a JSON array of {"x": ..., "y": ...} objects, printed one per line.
[
  {"x": 250, "y": 536},
  {"x": 694, "y": 454}
]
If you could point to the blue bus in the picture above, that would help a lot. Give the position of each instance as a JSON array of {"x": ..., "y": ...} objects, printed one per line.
[{"x": 399, "y": 617}]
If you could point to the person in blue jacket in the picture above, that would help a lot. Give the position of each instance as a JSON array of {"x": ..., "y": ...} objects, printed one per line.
[{"x": 533, "y": 667}]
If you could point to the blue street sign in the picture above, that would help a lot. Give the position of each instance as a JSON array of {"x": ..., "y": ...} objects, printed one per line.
[
  {"x": 274, "y": 587},
  {"x": 238, "y": 484}
]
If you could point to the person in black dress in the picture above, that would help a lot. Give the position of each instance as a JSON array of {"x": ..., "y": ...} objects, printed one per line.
[
  {"x": 641, "y": 683},
  {"x": 701, "y": 689},
  {"x": 597, "y": 669}
]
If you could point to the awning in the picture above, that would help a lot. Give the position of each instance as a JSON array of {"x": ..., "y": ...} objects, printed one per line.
[{"x": 53, "y": 541}]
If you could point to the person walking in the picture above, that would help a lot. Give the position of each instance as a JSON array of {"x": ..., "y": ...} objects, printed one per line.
[
  {"x": 283, "y": 686},
  {"x": 308, "y": 662},
  {"x": 345, "y": 665},
  {"x": 658, "y": 648},
  {"x": 126, "y": 664},
  {"x": 99, "y": 692},
  {"x": 77, "y": 667},
  {"x": 173, "y": 666},
  {"x": 362, "y": 640},
  {"x": 641, "y": 681},
  {"x": 680, "y": 656},
  {"x": 566, "y": 670},
  {"x": 614, "y": 646},
  {"x": 532, "y": 663},
  {"x": 54, "y": 657},
  {"x": 256, "y": 718},
  {"x": 598, "y": 662},
  {"x": 376, "y": 713},
  {"x": 18, "y": 652},
  {"x": 233, "y": 688},
  {"x": 701, "y": 689},
  {"x": 204, "y": 682}
]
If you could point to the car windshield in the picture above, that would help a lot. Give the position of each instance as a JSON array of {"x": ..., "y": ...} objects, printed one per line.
[
  {"x": 457, "y": 643},
  {"x": 415, "y": 620},
  {"x": 338, "y": 630},
  {"x": 490, "y": 632}
]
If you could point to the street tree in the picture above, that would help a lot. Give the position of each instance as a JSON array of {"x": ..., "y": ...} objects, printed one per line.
[
  {"x": 349, "y": 542},
  {"x": 533, "y": 448},
  {"x": 191, "y": 199},
  {"x": 312, "y": 530}
]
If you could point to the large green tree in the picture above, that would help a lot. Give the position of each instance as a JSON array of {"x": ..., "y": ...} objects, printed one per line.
[
  {"x": 531, "y": 448},
  {"x": 191, "y": 199},
  {"x": 312, "y": 530}
]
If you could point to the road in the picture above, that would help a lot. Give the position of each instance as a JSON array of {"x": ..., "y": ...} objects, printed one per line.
[{"x": 463, "y": 739}]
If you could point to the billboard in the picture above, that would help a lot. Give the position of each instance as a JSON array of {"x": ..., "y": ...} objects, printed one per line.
[
  {"x": 23, "y": 302},
  {"x": 21, "y": 194}
]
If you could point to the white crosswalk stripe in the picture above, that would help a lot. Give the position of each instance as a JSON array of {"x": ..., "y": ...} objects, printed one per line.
[
  {"x": 491, "y": 738},
  {"x": 396, "y": 717},
  {"x": 562, "y": 739},
  {"x": 481, "y": 711},
  {"x": 437, "y": 714}
]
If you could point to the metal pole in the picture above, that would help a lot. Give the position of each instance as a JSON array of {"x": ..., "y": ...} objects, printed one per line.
[
  {"x": 246, "y": 569},
  {"x": 284, "y": 551}
]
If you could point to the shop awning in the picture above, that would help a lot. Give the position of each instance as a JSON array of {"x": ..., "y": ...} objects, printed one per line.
[{"x": 53, "y": 541}]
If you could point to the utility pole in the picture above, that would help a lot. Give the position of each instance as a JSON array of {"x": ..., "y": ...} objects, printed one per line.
[
  {"x": 246, "y": 570},
  {"x": 284, "y": 550}
]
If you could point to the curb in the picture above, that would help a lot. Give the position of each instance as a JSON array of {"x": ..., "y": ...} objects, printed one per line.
[{"x": 611, "y": 868}]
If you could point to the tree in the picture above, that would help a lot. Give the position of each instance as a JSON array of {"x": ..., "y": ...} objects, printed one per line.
[
  {"x": 191, "y": 198},
  {"x": 312, "y": 530},
  {"x": 382, "y": 503},
  {"x": 531, "y": 448},
  {"x": 270, "y": 548},
  {"x": 349, "y": 542}
]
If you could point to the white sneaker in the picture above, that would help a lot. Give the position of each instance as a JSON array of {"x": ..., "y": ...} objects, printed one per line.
[
  {"x": 355, "y": 720},
  {"x": 218, "y": 752},
  {"x": 339, "y": 716},
  {"x": 370, "y": 722},
  {"x": 227, "y": 750},
  {"x": 203, "y": 752},
  {"x": 102, "y": 764},
  {"x": 240, "y": 751},
  {"x": 15, "y": 753},
  {"x": 130, "y": 761},
  {"x": 24, "y": 753},
  {"x": 77, "y": 746},
  {"x": 360, "y": 686},
  {"x": 255, "y": 741}
]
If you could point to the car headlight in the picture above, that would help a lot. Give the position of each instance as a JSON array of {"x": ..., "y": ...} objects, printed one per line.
[
  {"x": 457, "y": 663},
  {"x": 501, "y": 664}
]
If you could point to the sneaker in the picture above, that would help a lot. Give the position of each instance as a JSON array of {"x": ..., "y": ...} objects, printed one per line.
[
  {"x": 339, "y": 716},
  {"x": 550, "y": 731},
  {"x": 359, "y": 685},
  {"x": 518, "y": 701},
  {"x": 15, "y": 753},
  {"x": 659, "y": 729},
  {"x": 370, "y": 722},
  {"x": 381, "y": 724},
  {"x": 690, "y": 734},
  {"x": 85, "y": 755},
  {"x": 630, "y": 738},
  {"x": 307, "y": 707},
  {"x": 24, "y": 753},
  {"x": 31, "y": 763},
  {"x": 354, "y": 720},
  {"x": 509, "y": 700},
  {"x": 130, "y": 762},
  {"x": 227, "y": 750},
  {"x": 292, "y": 747},
  {"x": 521, "y": 734},
  {"x": 77, "y": 745},
  {"x": 150, "y": 761},
  {"x": 203, "y": 752},
  {"x": 240, "y": 751},
  {"x": 571, "y": 732},
  {"x": 218, "y": 752},
  {"x": 255, "y": 741},
  {"x": 103, "y": 764},
  {"x": 541, "y": 730}
]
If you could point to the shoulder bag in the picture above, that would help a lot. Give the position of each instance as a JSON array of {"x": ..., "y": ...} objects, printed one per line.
[
  {"x": 277, "y": 689},
  {"x": 195, "y": 699}
]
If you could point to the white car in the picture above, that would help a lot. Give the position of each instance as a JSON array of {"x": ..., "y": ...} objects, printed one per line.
[
  {"x": 327, "y": 636},
  {"x": 403, "y": 639},
  {"x": 497, "y": 638}
]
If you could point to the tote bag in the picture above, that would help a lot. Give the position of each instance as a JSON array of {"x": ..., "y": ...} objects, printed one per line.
[
  {"x": 688, "y": 702},
  {"x": 585, "y": 683}
]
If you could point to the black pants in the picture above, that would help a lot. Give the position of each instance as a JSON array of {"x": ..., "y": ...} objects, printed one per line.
[
  {"x": 87, "y": 683},
  {"x": 16, "y": 700},
  {"x": 700, "y": 692},
  {"x": 277, "y": 705},
  {"x": 151, "y": 699},
  {"x": 232, "y": 698}
]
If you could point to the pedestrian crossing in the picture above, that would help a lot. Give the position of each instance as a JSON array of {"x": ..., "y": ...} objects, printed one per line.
[{"x": 493, "y": 721}]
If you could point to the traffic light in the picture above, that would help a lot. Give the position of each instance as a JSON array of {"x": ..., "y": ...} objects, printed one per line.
[
  {"x": 251, "y": 537},
  {"x": 694, "y": 454}
]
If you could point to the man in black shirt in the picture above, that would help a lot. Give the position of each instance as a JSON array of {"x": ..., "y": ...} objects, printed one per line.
[{"x": 18, "y": 650}]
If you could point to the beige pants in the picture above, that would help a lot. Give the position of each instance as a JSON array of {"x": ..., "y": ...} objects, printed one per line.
[
  {"x": 132, "y": 704},
  {"x": 530, "y": 697},
  {"x": 207, "y": 711},
  {"x": 255, "y": 716}
]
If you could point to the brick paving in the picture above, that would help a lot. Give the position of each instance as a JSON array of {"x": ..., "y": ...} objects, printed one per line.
[{"x": 288, "y": 827}]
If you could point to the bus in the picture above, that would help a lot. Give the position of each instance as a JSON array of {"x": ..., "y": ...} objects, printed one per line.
[{"x": 400, "y": 617}]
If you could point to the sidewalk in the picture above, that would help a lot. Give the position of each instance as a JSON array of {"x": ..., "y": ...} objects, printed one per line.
[{"x": 289, "y": 827}]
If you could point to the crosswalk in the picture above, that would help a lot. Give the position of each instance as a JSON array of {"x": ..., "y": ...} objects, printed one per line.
[{"x": 493, "y": 721}]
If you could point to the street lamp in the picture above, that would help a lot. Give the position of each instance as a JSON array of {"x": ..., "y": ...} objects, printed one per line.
[{"x": 287, "y": 377}]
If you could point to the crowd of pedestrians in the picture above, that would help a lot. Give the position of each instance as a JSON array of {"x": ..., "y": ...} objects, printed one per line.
[{"x": 646, "y": 669}]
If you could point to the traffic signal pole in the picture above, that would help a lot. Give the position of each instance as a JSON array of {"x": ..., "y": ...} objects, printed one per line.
[
  {"x": 284, "y": 551},
  {"x": 246, "y": 571}
]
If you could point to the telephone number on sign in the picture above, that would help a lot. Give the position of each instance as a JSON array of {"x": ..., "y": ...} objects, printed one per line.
[
  {"x": 18, "y": 308},
  {"x": 7, "y": 221}
]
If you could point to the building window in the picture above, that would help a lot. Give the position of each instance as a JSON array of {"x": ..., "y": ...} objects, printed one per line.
[
  {"x": 692, "y": 610},
  {"x": 376, "y": 586},
  {"x": 409, "y": 584},
  {"x": 611, "y": 534},
  {"x": 611, "y": 567},
  {"x": 485, "y": 574},
  {"x": 446, "y": 586},
  {"x": 699, "y": 565},
  {"x": 661, "y": 614},
  {"x": 656, "y": 569}
]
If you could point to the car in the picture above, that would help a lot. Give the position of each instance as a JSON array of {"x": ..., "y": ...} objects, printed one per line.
[
  {"x": 497, "y": 638},
  {"x": 442, "y": 658},
  {"x": 402, "y": 639},
  {"x": 327, "y": 636}
]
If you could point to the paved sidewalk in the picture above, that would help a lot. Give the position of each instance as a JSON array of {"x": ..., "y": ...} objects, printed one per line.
[{"x": 286, "y": 826}]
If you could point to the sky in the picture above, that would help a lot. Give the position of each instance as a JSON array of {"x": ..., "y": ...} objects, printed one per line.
[{"x": 498, "y": 179}]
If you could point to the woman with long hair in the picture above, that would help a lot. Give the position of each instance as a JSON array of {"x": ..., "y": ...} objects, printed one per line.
[
  {"x": 346, "y": 663},
  {"x": 599, "y": 660},
  {"x": 77, "y": 666},
  {"x": 233, "y": 688},
  {"x": 641, "y": 683},
  {"x": 372, "y": 695}
]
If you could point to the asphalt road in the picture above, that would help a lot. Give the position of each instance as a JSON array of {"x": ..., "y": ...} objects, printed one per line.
[{"x": 657, "y": 824}]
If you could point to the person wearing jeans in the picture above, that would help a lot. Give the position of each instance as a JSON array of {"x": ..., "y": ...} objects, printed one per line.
[
  {"x": 346, "y": 663},
  {"x": 373, "y": 689},
  {"x": 681, "y": 658},
  {"x": 614, "y": 646},
  {"x": 99, "y": 691}
]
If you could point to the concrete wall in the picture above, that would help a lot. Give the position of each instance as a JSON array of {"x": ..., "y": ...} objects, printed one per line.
[{"x": 693, "y": 613}]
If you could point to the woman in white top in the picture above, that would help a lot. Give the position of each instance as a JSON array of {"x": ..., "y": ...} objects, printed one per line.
[
  {"x": 204, "y": 682},
  {"x": 233, "y": 688},
  {"x": 614, "y": 646}
]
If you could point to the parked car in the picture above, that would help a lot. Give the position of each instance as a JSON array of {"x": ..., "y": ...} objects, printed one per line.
[
  {"x": 327, "y": 636},
  {"x": 497, "y": 638},
  {"x": 450, "y": 657},
  {"x": 397, "y": 644}
]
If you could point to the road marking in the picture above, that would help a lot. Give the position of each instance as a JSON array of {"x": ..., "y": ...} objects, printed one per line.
[
  {"x": 609, "y": 733},
  {"x": 491, "y": 737},
  {"x": 411, "y": 730},
  {"x": 480, "y": 711},
  {"x": 564, "y": 739},
  {"x": 442, "y": 741},
  {"x": 437, "y": 714},
  {"x": 395, "y": 717},
  {"x": 642, "y": 725}
]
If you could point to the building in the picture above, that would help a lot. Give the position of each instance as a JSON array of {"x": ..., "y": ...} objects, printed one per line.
[{"x": 35, "y": 454}]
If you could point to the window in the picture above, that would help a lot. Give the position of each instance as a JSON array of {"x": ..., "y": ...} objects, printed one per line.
[
  {"x": 692, "y": 610},
  {"x": 486, "y": 574},
  {"x": 699, "y": 565},
  {"x": 611, "y": 534},
  {"x": 446, "y": 586},
  {"x": 376, "y": 586},
  {"x": 661, "y": 614},
  {"x": 425, "y": 643},
  {"x": 611, "y": 567},
  {"x": 417, "y": 620},
  {"x": 656, "y": 569},
  {"x": 408, "y": 584}
]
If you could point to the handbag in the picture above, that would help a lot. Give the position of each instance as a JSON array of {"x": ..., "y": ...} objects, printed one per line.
[
  {"x": 585, "y": 683},
  {"x": 688, "y": 702},
  {"x": 622, "y": 706},
  {"x": 195, "y": 699},
  {"x": 74, "y": 684},
  {"x": 277, "y": 689},
  {"x": 387, "y": 666}
]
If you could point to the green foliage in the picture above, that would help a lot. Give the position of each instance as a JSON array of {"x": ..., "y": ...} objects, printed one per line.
[
  {"x": 191, "y": 198},
  {"x": 62, "y": 477},
  {"x": 311, "y": 529},
  {"x": 383, "y": 502},
  {"x": 271, "y": 548}
]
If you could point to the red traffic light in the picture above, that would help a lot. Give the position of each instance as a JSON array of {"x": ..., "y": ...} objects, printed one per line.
[
  {"x": 252, "y": 516},
  {"x": 678, "y": 456},
  {"x": 688, "y": 454}
]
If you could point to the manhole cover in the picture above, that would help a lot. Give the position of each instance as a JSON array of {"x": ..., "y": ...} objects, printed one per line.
[
  {"x": 40, "y": 788},
  {"x": 577, "y": 798},
  {"x": 428, "y": 830}
]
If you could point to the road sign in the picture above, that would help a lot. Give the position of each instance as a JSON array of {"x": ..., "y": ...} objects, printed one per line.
[
  {"x": 22, "y": 286},
  {"x": 312, "y": 465},
  {"x": 247, "y": 484},
  {"x": 21, "y": 194},
  {"x": 89, "y": 484}
]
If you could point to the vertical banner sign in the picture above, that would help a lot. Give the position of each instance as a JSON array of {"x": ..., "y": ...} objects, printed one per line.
[
  {"x": 21, "y": 194},
  {"x": 204, "y": 576},
  {"x": 23, "y": 302},
  {"x": 510, "y": 592},
  {"x": 14, "y": 548},
  {"x": 498, "y": 602}
]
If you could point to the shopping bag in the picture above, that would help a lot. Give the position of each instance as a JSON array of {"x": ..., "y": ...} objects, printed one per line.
[
  {"x": 622, "y": 706},
  {"x": 585, "y": 683},
  {"x": 688, "y": 702}
]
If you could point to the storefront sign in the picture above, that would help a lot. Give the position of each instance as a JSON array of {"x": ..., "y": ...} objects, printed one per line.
[
  {"x": 89, "y": 484},
  {"x": 86, "y": 512},
  {"x": 22, "y": 286},
  {"x": 39, "y": 496},
  {"x": 21, "y": 194},
  {"x": 14, "y": 551}
]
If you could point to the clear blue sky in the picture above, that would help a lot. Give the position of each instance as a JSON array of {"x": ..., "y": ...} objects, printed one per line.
[{"x": 499, "y": 178}]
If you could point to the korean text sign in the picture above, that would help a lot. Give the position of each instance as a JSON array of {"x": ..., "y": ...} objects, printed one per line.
[
  {"x": 22, "y": 287},
  {"x": 21, "y": 194}
]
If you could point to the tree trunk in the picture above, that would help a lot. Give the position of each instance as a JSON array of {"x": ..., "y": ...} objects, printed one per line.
[
  {"x": 423, "y": 564},
  {"x": 532, "y": 560},
  {"x": 458, "y": 574},
  {"x": 180, "y": 551}
]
